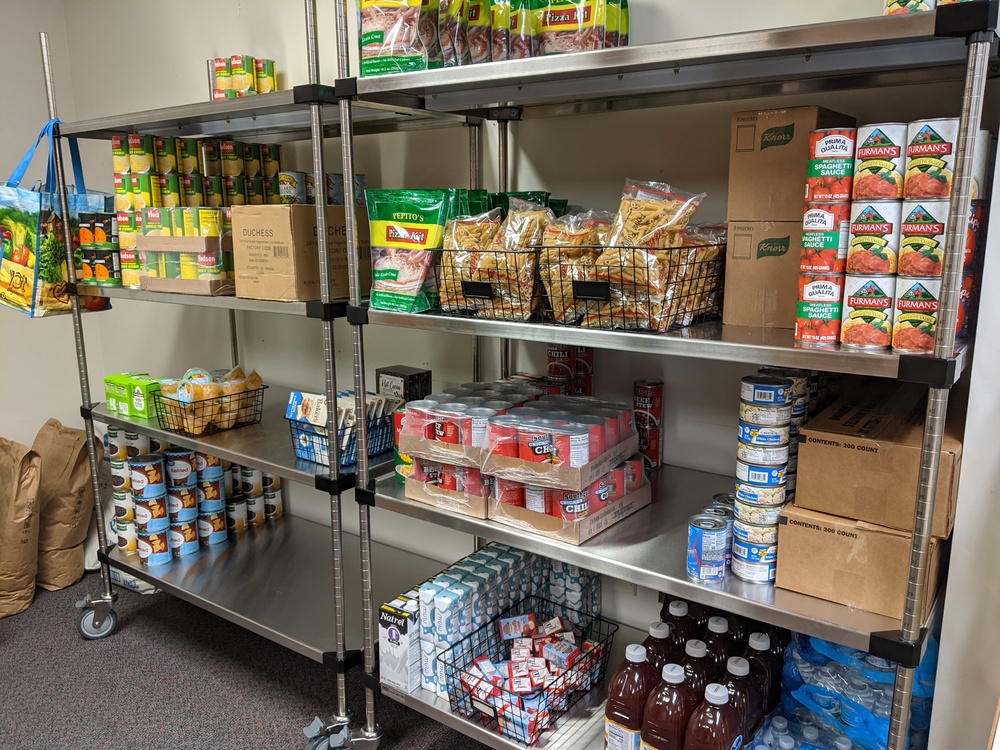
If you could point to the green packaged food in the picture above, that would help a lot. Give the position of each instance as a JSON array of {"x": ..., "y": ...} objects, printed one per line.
[{"x": 502, "y": 200}]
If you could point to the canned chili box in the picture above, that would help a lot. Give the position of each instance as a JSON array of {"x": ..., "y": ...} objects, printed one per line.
[
  {"x": 825, "y": 237},
  {"x": 879, "y": 161},
  {"x": 868, "y": 311},
  {"x": 875, "y": 236},
  {"x": 924, "y": 233},
  {"x": 830, "y": 169},
  {"x": 819, "y": 310}
]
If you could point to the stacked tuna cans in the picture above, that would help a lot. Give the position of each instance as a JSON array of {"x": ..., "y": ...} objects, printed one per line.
[
  {"x": 767, "y": 404},
  {"x": 182, "y": 499}
]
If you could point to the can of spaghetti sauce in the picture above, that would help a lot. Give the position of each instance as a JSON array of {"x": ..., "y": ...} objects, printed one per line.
[
  {"x": 875, "y": 236},
  {"x": 879, "y": 161},
  {"x": 820, "y": 306},
  {"x": 825, "y": 237},
  {"x": 868, "y": 311}
]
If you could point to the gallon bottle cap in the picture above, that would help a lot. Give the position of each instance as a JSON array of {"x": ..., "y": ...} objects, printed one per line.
[
  {"x": 778, "y": 722},
  {"x": 695, "y": 648},
  {"x": 786, "y": 743},
  {"x": 760, "y": 641},
  {"x": 716, "y": 694},
  {"x": 810, "y": 733},
  {"x": 738, "y": 666},
  {"x": 673, "y": 673},
  {"x": 678, "y": 608},
  {"x": 718, "y": 625},
  {"x": 659, "y": 630},
  {"x": 843, "y": 743},
  {"x": 636, "y": 653}
]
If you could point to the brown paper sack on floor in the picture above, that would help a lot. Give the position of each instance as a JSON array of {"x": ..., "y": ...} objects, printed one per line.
[
  {"x": 20, "y": 472},
  {"x": 66, "y": 501}
]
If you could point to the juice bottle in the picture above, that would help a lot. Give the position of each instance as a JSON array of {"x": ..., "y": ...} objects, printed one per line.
[
  {"x": 737, "y": 683},
  {"x": 659, "y": 647},
  {"x": 714, "y": 725},
  {"x": 628, "y": 691},
  {"x": 718, "y": 643},
  {"x": 697, "y": 612},
  {"x": 667, "y": 711},
  {"x": 780, "y": 638},
  {"x": 696, "y": 665},
  {"x": 759, "y": 652},
  {"x": 681, "y": 625},
  {"x": 738, "y": 633}
]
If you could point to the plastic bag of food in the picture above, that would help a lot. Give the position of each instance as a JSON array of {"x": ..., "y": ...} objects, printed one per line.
[
  {"x": 523, "y": 36},
  {"x": 388, "y": 37},
  {"x": 577, "y": 230},
  {"x": 624, "y": 24},
  {"x": 559, "y": 206},
  {"x": 612, "y": 23},
  {"x": 471, "y": 202},
  {"x": 427, "y": 31},
  {"x": 404, "y": 249},
  {"x": 558, "y": 268},
  {"x": 465, "y": 240},
  {"x": 570, "y": 26},
  {"x": 500, "y": 23},
  {"x": 502, "y": 200},
  {"x": 452, "y": 33},
  {"x": 479, "y": 30},
  {"x": 652, "y": 214}
]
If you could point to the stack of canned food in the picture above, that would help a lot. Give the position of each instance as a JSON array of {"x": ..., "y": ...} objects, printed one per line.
[
  {"x": 296, "y": 188},
  {"x": 890, "y": 242},
  {"x": 237, "y": 76}
]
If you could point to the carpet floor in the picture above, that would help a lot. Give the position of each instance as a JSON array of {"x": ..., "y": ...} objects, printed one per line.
[{"x": 172, "y": 676}]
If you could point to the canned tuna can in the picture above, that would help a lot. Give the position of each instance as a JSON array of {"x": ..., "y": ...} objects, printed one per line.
[
  {"x": 830, "y": 170},
  {"x": 255, "y": 510},
  {"x": 181, "y": 467},
  {"x": 115, "y": 448},
  {"x": 136, "y": 444},
  {"x": 151, "y": 513},
  {"x": 755, "y": 434},
  {"x": 292, "y": 187},
  {"x": 182, "y": 504},
  {"x": 767, "y": 476},
  {"x": 754, "y": 572},
  {"x": 826, "y": 229},
  {"x": 212, "y": 528},
  {"x": 211, "y": 495},
  {"x": 183, "y": 538},
  {"x": 820, "y": 306},
  {"x": 795, "y": 426},
  {"x": 706, "y": 548},
  {"x": 761, "y": 495},
  {"x": 571, "y": 445},
  {"x": 153, "y": 547},
  {"x": 124, "y": 506},
  {"x": 755, "y": 553},
  {"x": 765, "y": 515},
  {"x": 209, "y": 467},
  {"x": 762, "y": 389},
  {"x": 868, "y": 312},
  {"x": 769, "y": 416},
  {"x": 251, "y": 481},
  {"x": 799, "y": 378},
  {"x": 924, "y": 234},
  {"x": 121, "y": 475},
  {"x": 127, "y": 535},
  {"x": 147, "y": 476},
  {"x": 274, "y": 506},
  {"x": 725, "y": 499},
  {"x": 875, "y": 237},
  {"x": 236, "y": 516},
  {"x": 879, "y": 161},
  {"x": 917, "y": 305},
  {"x": 755, "y": 533},
  {"x": 764, "y": 455}
]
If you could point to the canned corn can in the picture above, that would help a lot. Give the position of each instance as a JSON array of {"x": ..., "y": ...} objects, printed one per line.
[
  {"x": 763, "y": 455},
  {"x": 141, "y": 154},
  {"x": 755, "y": 434},
  {"x": 706, "y": 548},
  {"x": 231, "y": 158},
  {"x": 124, "y": 506},
  {"x": 183, "y": 537},
  {"x": 212, "y": 528},
  {"x": 215, "y": 191},
  {"x": 270, "y": 159},
  {"x": 917, "y": 305},
  {"x": 265, "y": 76},
  {"x": 182, "y": 504},
  {"x": 127, "y": 536},
  {"x": 754, "y": 572},
  {"x": 924, "y": 233},
  {"x": 147, "y": 476},
  {"x": 255, "y": 510},
  {"x": 879, "y": 161},
  {"x": 763, "y": 389},
  {"x": 765, "y": 515},
  {"x": 145, "y": 191},
  {"x": 274, "y": 506},
  {"x": 243, "y": 77},
  {"x": 292, "y": 188},
  {"x": 868, "y": 312},
  {"x": 754, "y": 533},
  {"x": 123, "y": 191},
  {"x": 211, "y": 495},
  {"x": 875, "y": 237},
  {"x": 251, "y": 481},
  {"x": 235, "y": 190},
  {"x": 272, "y": 194},
  {"x": 251, "y": 160},
  {"x": 136, "y": 444},
  {"x": 153, "y": 547},
  {"x": 758, "y": 494},
  {"x": 116, "y": 449},
  {"x": 826, "y": 229},
  {"x": 193, "y": 187},
  {"x": 830, "y": 170},
  {"x": 236, "y": 516},
  {"x": 211, "y": 162},
  {"x": 182, "y": 467},
  {"x": 119, "y": 154},
  {"x": 766, "y": 476},
  {"x": 762, "y": 414},
  {"x": 755, "y": 553},
  {"x": 170, "y": 191},
  {"x": 255, "y": 191},
  {"x": 121, "y": 475},
  {"x": 188, "y": 150},
  {"x": 166, "y": 155}
]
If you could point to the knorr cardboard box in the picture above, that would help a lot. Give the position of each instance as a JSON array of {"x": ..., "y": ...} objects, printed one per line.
[{"x": 762, "y": 273}]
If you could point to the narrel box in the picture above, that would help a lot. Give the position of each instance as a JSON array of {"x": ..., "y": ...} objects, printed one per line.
[
  {"x": 872, "y": 438},
  {"x": 399, "y": 645},
  {"x": 276, "y": 253},
  {"x": 762, "y": 273},
  {"x": 850, "y": 562}
]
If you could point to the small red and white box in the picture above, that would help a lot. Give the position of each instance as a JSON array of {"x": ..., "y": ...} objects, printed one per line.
[
  {"x": 550, "y": 627},
  {"x": 562, "y": 654},
  {"x": 517, "y": 627},
  {"x": 519, "y": 669},
  {"x": 487, "y": 668},
  {"x": 537, "y": 662},
  {"x": 538, "y": 677},
  {"x": 520, "y": 685},
  {"x": 519, "y": 653},
  {"x": 521, "y": 643}
]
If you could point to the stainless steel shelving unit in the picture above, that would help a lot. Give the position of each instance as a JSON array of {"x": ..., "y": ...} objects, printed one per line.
[
  {"x": 952, "y": 45},
  {"x": 220, "y": 303}
]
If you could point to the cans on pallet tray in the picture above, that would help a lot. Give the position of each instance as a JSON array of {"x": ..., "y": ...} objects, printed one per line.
[
  {"x": 706, "y": 548},
  {"x": 917, "y": 305},
  {"x": 146, "y": 473},
  {"x": 825, "y": 237},
  {"x": 183, "y": 538},
  {"x": 255, "y": 510},
  {"x": 151, "y": 513},
  {"x": 209, "y": 467},
  {"x": 153, "y": 547},
  {"x": 754, "y": 572},
  {"x": 830, "y": 170},
  {"x": 879, "y": 161},
  {"x": 212, "y": 528},
  {"x": 755, "y": 434},
  {"x": 760, "y": 414},
  {"x": 875, "y": 237},
  {"x": 764, "y": 389},
  {"x": 182, "y": 503},
  {"x": 763, "y": 455},
  {"x": 765, "y": 515},
  {"x": 756, "y": 553},
  {"x": 755, "y": 533},
  {"x": 124, "y": 506},
  {"x": 274, "y": 506},
  {"x": 126, "y": 534},
  {"x": 760, "y": 494},
  {"x": 868, "y": 311},
  {"x": 181, "y": 467},
  {"x": 236, "y": 516}
]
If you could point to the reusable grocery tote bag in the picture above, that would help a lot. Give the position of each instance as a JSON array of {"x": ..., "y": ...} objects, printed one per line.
[{"x": 33, "y": 272}]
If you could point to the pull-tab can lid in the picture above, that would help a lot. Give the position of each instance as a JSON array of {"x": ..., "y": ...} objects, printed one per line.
[
  {"x": 673, "y": 673},
  {"x": 738, "y": 666},
  {"x": 678, "y": 608},
  {"x": 659, "y": 629},
  {"x": 718, "y": 624},
  {"x": 636, "y": 653},
  {"x": 695, "y": 648},
  {"x": 760, "y": 641},
  {"x": 716, "y": 694}
]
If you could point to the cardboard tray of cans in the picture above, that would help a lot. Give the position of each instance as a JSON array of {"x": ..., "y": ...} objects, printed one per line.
[
  {"x": 442, "y": 452},
  {"x": 211, "y": 252},
  {"x": 455, "y": 501},
  {"x": 522, "y": 670}
]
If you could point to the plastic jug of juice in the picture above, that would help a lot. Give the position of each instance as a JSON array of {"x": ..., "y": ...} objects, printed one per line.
[
  {"x": 667, "y": 711},
  {"x": 682, "y": 627},
  {"x": 700, "y": 614},
  {"x": 628, "y": 691},
  {"x": 737, "y": 682},
  {"x": 715, "y": 724},
  {"x": 759, "y": 650},
  {"x": 659, "y": 647},
  {"x": 697, "y": 667},
  {"x": 718, "y": 643}
]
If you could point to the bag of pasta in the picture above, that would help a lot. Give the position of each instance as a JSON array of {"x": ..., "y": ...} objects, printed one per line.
[
  {"x": 636, "y": 285},
  {"x": 570, "y": 26},
  {"x": 652, "y": 215},
  {"x": 389, "y": 38},
  {"x": 453, "y": 33},
  {"x": 500, "y": 23},
  {"x": 570, "y": 249},
  {"x": 479, "y": 30},
  {"x": 427, "y": 31},
  {"x": 463, "y": 285}
]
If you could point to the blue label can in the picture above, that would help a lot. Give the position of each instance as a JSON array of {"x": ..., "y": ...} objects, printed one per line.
[
  {"x": 147, "y": 475},
  {"x": 706, "y": 549},
  {"x": 153, "y": 547},
  {"x": 756, "y": 553},
  {"x": 766, "y": 389},
  {"x": 767, "y": 476},
  {"x": 212, "y": 528},
  {"x": 727, "y": 514},
  {"x": 183, "y": 538},
  {"x": 756, "y": 434}
]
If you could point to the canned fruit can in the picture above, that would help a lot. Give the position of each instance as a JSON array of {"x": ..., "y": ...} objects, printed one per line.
[
  {"x": 753, "y": 572},
  {"x": 875, "y": 237},
  {"x": 917, "y": 304},
  {"x": 255, "y": 510},
  {"x": 755, "y": 553},
  {"x": 879, "y": 161},
  {"x": 211, "y": 494},
  {"x": 236, "y": 516},
  {"x": 647, "y": 402},
  {"x": 762, "y": 414},
  {"x": 251, "y": 481},
  {"x": 124, "y": 506},
  {"x": 147, "y": 476},
  {"x": 274, "y": 506},
  {"x": 153, "y": 547},
  {"x": 755, "y": 434},
  {"x": 868, "y": 312},
  {"x": 767, "y": 476},
  {"x": 181, "y": 466},
  {"x": 757, "y": 494},
  {"x": 706, "y": 548},
  {"x": 183, "y": 537},
  {"x": 763, "y": 389},
  {"x": 127, "y": 535},
  {"x": 754, "y": 533},
  {"x": 765, "y": 515},
  {"x": 923, "y": 237},
  {"x": 292, "y": 187},
  {"x": 930, "y": 157},
  {"x": 212, "y": 528},
  {"x": 121, "y": 475},
  {"x": 826, "y": 229},
  {"x": 763, "y": 455}
]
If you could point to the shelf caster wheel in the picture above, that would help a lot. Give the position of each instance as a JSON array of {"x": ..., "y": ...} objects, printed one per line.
[
  {"x": 85, "y": 624},
  {"x": 323, "y": 736}
]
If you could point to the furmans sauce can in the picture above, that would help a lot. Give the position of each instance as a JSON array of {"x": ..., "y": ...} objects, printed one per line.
[{"x": 868, "y": 311}]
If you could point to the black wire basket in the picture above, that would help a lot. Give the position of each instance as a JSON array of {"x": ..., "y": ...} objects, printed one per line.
[
  {"x": 492, "y": 284},
  {"x": 209, "y": 415},
  {"x": 509, "y": 713}
]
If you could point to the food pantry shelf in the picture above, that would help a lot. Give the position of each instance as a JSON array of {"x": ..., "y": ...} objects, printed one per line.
[
  {"x": 278, "y": 582},
  {"x": 224, "y": 303},
  {"x": 648, "y": 549},
  {"x": 712, "y": 340}
]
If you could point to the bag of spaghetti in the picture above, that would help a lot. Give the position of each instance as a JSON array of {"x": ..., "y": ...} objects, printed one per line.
[
  {"x": 407, "y": 231},
  {"x": 479, "y": 30},
  {"x": 570, "y": 26},
  {"x": 389, "y": 38},
  {"x": 453, "y": 33},
  {"x": 427, "y": 31},
  {"x": 466, "y": 238}
]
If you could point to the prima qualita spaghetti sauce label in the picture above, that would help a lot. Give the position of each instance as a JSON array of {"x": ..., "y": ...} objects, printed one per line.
[{"x": 868, "y": 311}]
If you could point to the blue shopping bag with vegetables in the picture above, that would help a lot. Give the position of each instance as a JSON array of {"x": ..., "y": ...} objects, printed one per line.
[{"x": 33, "y": 273}]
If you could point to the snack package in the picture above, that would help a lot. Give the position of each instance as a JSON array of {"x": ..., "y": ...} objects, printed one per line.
[
  {"x": 388, "y": 37},
  {"x": 612, "y": 23},
  {"x": 570, "y": 26},
  {"x": 523, "y": 36},
  {"x": 465, "y": 240},
  {"x": 652, "y": 215},
  {"x": 502, "y": 200},
  {"x": 500, "y": 23},
  {"x": 427, "y": 31},
  {"x": 479, "y": 30},
  {"x": 453, "y": 33},
  {"x": 624, "y": 23},
  {"x": 403, "y": 250},
  {"x": 510, "y": 265}
]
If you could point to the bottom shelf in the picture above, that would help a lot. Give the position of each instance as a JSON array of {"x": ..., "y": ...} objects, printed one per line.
[{"x": 277, "y": 581}]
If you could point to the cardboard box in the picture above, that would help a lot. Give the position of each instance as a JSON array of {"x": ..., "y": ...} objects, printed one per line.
[
  {"x": 849, "y": 562},
  {"x": 571, "y": 532},
  {"x": 445, "y": 453},
  {"x": 455, "y": 502},
  {"x": 870, "y": 440},
  {"x": 276, "y": 253},
  {"x": 149, "y": 245},
  {"x": 560, "y": 477},
  {"x": 768, "y": 153},
  {"x": 762, "y": 273}
]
